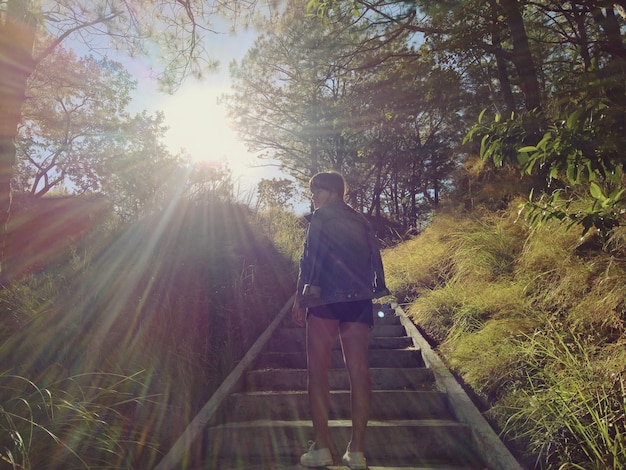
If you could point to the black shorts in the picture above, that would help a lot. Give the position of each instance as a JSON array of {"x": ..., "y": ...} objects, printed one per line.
[{"x": 360, "y": 311}]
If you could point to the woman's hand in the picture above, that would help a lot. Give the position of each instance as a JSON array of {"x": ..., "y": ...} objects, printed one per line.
[{"x": 298, "y": 314}]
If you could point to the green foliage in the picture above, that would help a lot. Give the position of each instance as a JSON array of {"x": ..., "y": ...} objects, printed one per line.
[
  {"x": 489, "y": 359},
  {"x": 276, "y": 193},
  {"x": 286, "y": 230},
  {"x": 501, "y": 138},
  {"x": 323, "y": 8},
  {"x": 76, "y": 131},
  {"x": 580, "y": 150},
  {"x": 420, "y": 264},
  {"x": 337, "y": 98},
  {"x": 72, "y": 121},
  {"x": 604, "y": 214}
]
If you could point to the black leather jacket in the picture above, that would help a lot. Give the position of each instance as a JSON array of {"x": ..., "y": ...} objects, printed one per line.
[{"x": 341, "y": 259}]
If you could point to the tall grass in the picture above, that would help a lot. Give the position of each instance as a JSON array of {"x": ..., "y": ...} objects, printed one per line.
[
  {"x": 285, "y": 229},
  {"x": 572, "y": 411},
  {"x": 82, "y": 421},
  {"x": 533, "y": 321}
]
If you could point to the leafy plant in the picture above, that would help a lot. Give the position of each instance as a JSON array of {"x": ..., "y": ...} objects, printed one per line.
[
  {"x": 603, "y": 215},
  {"x": 579, "y": 150}
]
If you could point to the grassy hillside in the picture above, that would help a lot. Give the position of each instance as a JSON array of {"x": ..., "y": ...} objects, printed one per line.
[
  {"x": 533, "y": 321},
  {"x": 107, "y": 356}
]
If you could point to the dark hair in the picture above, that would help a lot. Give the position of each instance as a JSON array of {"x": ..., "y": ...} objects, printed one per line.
[{"x": 329, "y": 181}]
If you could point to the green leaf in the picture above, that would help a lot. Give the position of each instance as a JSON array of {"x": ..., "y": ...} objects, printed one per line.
[
  {"x": 528, "y": 148},
  {"x": 522, "y": 159},
  {"x": 528, "y": 167},
  {"x": 483, "y": 146},
  {"x": 554, "y": 172},
  {"x": 572, "y": 173},
  {"x": 573, "y": 119},
  {"x": 544, "y": 141},
  {"x": 481, "y": 115},
  {"x": 595, "y": 191},
  {"x": 616, "y": 194}
]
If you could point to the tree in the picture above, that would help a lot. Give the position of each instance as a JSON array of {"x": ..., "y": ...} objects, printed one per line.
[
  {"x": 276, "y": 192},
  {"x": 76, "y": 132},
  {"x": 463, "y": 34},
  {"x": 576, "y": 142},
  {"x": 287, "y": 92},
  {"x": 326, "y": 94},
  {"x": 74, "y": 119},
  {"x": 142, "y": 176},
  {"x": 414, "y": 110},
  {"x": 170, "y": 30},
  {"x": 557, "y": 68},
  {"x": 206, "y": 181}
]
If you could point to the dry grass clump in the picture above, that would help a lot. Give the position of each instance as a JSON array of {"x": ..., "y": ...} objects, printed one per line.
[
  {"x": 285, "y": 229},
  {"x": 462, "y": 307},
  {"x": 435, "y": 310},
  {"x": 487, "y": 248},
  {"x": 422, "y": 263},
  {"x": 570, "y": 411},
  {"x": 454, "y": 246},
  {"x": 489, "y": 360}
]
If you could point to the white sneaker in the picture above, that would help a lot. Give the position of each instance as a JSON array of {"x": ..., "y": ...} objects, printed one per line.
[
  {"x": 316, "y": 457},
  {"x": 355, "y": 460}
]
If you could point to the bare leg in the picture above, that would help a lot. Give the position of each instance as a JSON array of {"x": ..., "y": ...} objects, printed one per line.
[
  {"x": 321, "y": 333},
  {"x": 354, "y": 342}
]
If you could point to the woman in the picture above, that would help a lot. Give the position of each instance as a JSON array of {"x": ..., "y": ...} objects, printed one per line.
[{"x": 340, "y": 273}]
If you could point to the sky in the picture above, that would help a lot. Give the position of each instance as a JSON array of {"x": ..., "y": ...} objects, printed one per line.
[{"x": 198, "y": 124}]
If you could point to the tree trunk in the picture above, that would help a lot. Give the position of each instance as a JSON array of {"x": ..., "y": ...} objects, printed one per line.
[
  {"x": 614, "y": 47},
  {"x": 378, "y": 187},
  {"x": 17, "y": 38},
  {"x": 521, "y": 56},
  {"x": 503, "y": 72}
]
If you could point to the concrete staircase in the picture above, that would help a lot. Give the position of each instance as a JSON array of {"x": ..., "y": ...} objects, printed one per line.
[{"x": 264, "y": 423}]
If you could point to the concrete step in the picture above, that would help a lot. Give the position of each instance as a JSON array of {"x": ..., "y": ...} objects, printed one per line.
[
  {"x": 294, "y": 339},
  {"x": 382, "y": 379},
  {"x": 294, "y": 405},
  {"x": 396, "y": 441},
  {"x": 377, "y": 358},
  {"x": 387, "y": 330},
  {"x": 260, "y": 418},
  {"x": 383, "y": 330},
  {"x": 386, "y": 320},
  {"x": 389, "y": 318},
  {"x": 259, "y": 464}
]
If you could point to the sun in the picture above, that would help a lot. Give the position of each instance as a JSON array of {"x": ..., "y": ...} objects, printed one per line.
[{"x": 200, "y": 126}]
